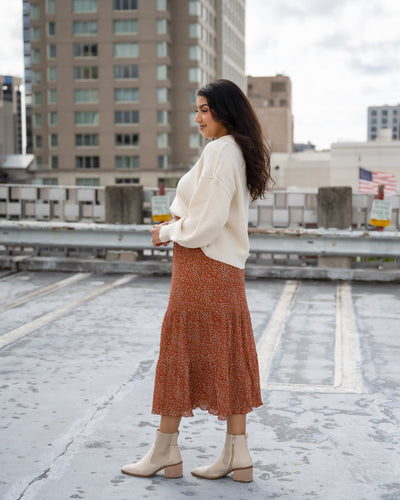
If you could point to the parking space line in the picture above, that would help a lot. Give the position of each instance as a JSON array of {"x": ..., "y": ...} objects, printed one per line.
[
  {"x": 24, "y": 330},
  {"x": 271, "y": 336},
  {"x": 347, "y": 344},
  {"x": 43, "y": 291}
]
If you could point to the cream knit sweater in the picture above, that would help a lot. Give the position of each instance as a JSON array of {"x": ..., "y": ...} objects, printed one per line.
[{"x": 212, "y": 201}]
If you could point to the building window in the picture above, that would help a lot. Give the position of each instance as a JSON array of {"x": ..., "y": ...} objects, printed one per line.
[
  {"x": 53, "y": 162},
  {"x": 384, "y": 122},
  {"x": 125, "y": 4},
  {"x": 162, "y": 5},
  {"x": 163, "y": 94},
  {"x": 194, "y": 141},
  {"x": 51, "y": 51},
  {"x": 38, "y": 141},
  {"x": 86, "y": 140},
  {"x": 127, "y": 162},
  {"x": 35, "y": 56},
  {"x": 52, "y": 96},
  {"x": 87, "y": 161},
  {"x": 126, "y": 95},
  {"x": 162, "y": 27},
  {"x": 53, "y": 140},
  {"x": 51, "y": 74},
  {"x": 84, "y": 6},
  {"x": 194, "y": 8},
  {"x": 51, "y": 28},
  {"x": 192, "y": 119},
  {"x": 384, "y": 112},
  {"x": 127, "y": 139},
  {"x": 163, "y": 161},
  {"x": 36, "y": 77},
  {"x": 163, "y": 140},
  {"x": 123, "y": 117},
  {"x": 85, "y": 50},
  {"x": 37, "y": 98},
  {"x": 163, "y": 117},
  {"x": 86, "y": 72},
  {"x": 85, "y": 28},
  {"x": 195, "y": 75},
  {"x": 126, "y": 49},
  {"x": 282, "y": 103},
  {"x": 35, "y": 34},
  {"x": 126, "y": 72},
  {"x": 195, "y": 53},
  {"x": 35, "y": 12},
  {"x": 128, "y": 180},
  {"x": 194, "y": 30},
  {"x": 163, "y": 49},
  {"x": 50, "y": 181},
  {"x": 374, "y": 112},
  {"x": 53, "y": 118},
  {"x": 193, "y": 96},
  {"x": 163, "y": 72},
  {"x": 86, "y": 96},
  {"x": 126, "y": 27},
  {"x": 373, "y": 121},
  {"x": 86, "y": 118},
  {"x": 39, "y": 161},
  {"x": 88, "y": 182},
  {"x": 278, "y": 86},
  {"x": 50, "y": 6},
  {"x": 37, "y": 120}
]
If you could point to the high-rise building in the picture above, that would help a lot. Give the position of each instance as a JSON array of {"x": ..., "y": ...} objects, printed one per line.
[
  {"x": 28, "y": 76},
  {"x": 383, "y": 118},
  {"x": 114, "y": 84},
  {"x": 271, "y": 98},
  {"x": 10, "y": 116}
]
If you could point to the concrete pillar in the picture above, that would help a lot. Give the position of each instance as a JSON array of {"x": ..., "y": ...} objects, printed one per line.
[
  {"x": 124, "y": 204},
  {"x": 335, "y": 209}
]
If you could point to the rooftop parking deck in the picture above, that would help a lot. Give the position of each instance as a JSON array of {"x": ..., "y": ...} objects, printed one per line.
[{"x": 77, "y": 360}]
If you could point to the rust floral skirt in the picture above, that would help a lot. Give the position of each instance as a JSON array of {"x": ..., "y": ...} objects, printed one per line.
[{"x": 207, "y": 358}]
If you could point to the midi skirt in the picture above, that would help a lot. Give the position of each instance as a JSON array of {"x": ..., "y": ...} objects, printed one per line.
[{"x": 207, "y": 358}]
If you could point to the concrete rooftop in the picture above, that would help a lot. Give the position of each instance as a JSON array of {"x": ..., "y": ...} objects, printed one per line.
[{"x": 77, "y": 362}]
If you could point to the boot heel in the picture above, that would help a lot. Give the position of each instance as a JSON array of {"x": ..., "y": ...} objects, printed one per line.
[
  {"x": 174, "y": 471},
  {"x": 243, "y": 475}
]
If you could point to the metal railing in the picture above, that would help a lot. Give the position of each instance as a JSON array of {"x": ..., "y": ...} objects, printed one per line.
[{"x": 281, "y": 209}]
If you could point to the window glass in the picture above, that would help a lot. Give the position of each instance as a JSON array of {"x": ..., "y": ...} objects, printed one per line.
[
  {"x": 162, "y": 72},
  {"x": 51, "y": 51},
  {"x": 195, "y": 53},
  {"x": 35, "y": 12},
  {"x": 126, "y": 26},
  {"x": 86, "y": 118},
  {"x": 53, "y": 140},
  {"x": 163, "y": 140},
  {"x": 86, "y": 72},
  {"x": 163, "y": 49},
  {"x": 86, "y": 95},
  {"x": 85, "y": 27},
  {"x": 86, "y": 140},
  {"x": 163, "y": 94},
  {"x": 125, "y": 4},
  {"x": 37, "y": 98},
  {"x": 35, "y": 34},
  {"x": 162, "y": 161},
  {"x": 127, "y": 162},
  {"x": 162, "y": 26},
  {"x": 126, "y": 72},
  {"x": 36, "y": 77},
  {"x": 126, "y": 49},
  {"x": 54, "y": 162},
  {"x": 127, "y": 139},
  {"x": 87, "y": 162},
  {"x": 162, "y": 5},
  {"x": 51, "y": 28},
  {"x": 126, "y": 95},
  {"x": 52, "y": 96},
  {"x": 163, "y": 117},
  {"x": 194, "y": 30},
  {"x": 194, "y": 141},
  {"x": 35, "y": 56},
  {"x": 38, "y": 141},
  {"x": 53, "y": 118},
  {"x": 50, "y": 6},
  {"x": 194, "y": 8},
  {"x": 121, "y": 117},
  {"x": 85, "y": 50},
  {"x": 37, "y": 120},
  {"x": 51, "y": 74},
  {"x": 195, "y": 75},
  {"x": 88, "y": 182},
  {"x": 84, "y": 6}
]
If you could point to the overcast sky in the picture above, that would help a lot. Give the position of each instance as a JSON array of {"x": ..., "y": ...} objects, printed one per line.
[{"x": 341, "y": 55}]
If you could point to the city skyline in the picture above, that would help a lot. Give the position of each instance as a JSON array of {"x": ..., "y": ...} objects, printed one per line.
[{"x": 341, "y": 56}]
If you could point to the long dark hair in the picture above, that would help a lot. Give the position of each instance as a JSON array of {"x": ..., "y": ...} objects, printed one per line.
[{"x": 230, "y": 106}]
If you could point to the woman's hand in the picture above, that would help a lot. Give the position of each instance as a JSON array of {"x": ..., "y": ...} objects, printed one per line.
[{"x": 155, "y": 235}]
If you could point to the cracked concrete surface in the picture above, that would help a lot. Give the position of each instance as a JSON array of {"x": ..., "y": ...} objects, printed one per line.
[{"x": 76, "y": 395}]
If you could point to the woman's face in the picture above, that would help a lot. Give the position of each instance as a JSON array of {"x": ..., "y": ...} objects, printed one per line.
[{"x": 209, "y": 127}]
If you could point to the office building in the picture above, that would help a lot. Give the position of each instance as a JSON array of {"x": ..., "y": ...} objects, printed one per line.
[
  {"x": 10, "y": 116},
  {"x": 114, "y": 85},
  {"x": 271, "y": 98},
  {"x": 383, "y": 118}
]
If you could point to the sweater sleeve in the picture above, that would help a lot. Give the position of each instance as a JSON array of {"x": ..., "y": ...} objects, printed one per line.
[{"x": 209, "y": 205}]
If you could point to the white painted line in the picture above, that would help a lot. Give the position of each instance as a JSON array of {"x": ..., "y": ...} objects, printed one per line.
[
  {"x": 44, "y": 291},
  {"x": 270, "y": 339},
  {"x": 272, "y": 386},
  {"x": 347, "y": 344},
  {"x": 20, "y": 332}
]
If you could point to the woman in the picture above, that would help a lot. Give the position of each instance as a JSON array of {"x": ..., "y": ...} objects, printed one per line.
[{"x": 207, "y": 355}]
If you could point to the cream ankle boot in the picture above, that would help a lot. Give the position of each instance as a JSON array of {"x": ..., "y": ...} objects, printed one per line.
[
  {"x": 164, "y": 454},
  {"x": 234, "y": 457}
]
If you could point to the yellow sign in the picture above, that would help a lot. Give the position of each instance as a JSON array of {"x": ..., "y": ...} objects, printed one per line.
[
  {"x": 160, "y": 208},
  {"x": 380, "y": 213}
]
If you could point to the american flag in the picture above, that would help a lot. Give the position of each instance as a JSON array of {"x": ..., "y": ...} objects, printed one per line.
[{"x": 368, "y": 182}]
